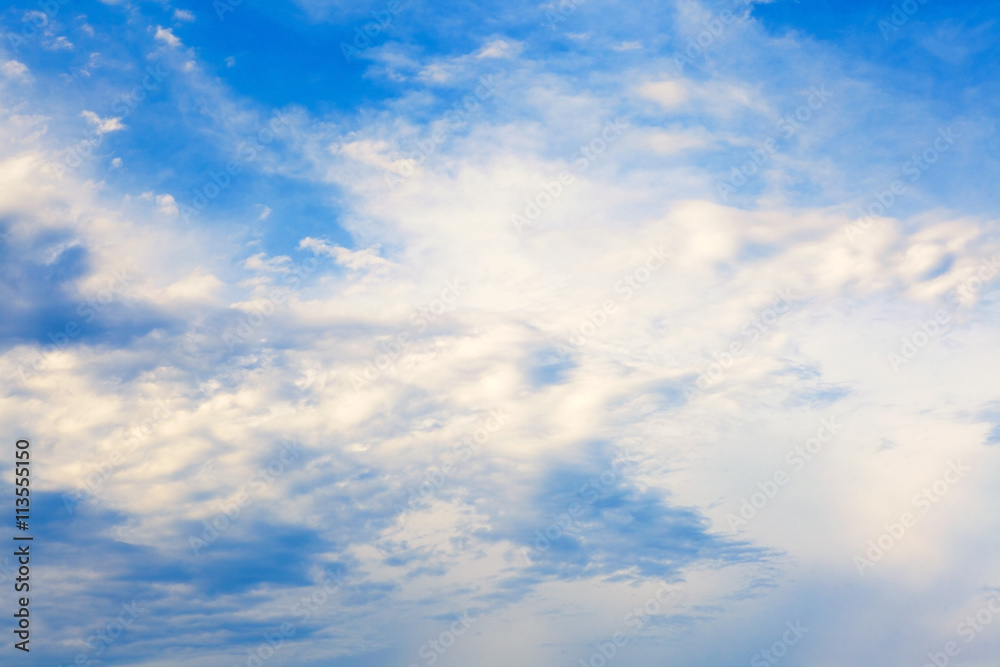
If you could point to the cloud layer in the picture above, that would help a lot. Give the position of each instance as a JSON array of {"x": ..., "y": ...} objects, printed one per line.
[{"x": 464, "y": 342}]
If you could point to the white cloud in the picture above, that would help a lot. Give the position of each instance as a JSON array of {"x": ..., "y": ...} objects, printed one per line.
[
  {"x": 500, "y": 48},
  {"x": 718, "y": 98},
  {"x": 14, "y": 69},
  {"x": 184, "y": 15},
  {"x": 167, "y": 36},
  {"x": 627, "y": 46},
  {"x": 36, "y": 17},
  {"x": 372, "y": 153},
  {"x": 166, "y": 204},
  {"x": 670, "y": 143},
  {"x": 668, "y": 93},
  {"x": 262, "y": 263},
  {"x": 198, "y": 286},
  {"x": 58, "y": 43},
  {"x": 356, "y": 260},
  {"x": 112, "y": 124},
  {"x": 436, "y": 73}
]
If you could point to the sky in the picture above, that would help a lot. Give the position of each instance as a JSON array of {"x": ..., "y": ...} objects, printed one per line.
[{"x": 465, "y": 334}]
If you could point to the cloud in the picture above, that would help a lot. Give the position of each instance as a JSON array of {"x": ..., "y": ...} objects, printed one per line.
[
  {"x": 716, "y": 97},
  {"x": 60, "y": 42},
  {"x": 373, "y": 153},
  {"x": 669, "y": 93},
  {"x": 461, "y": 389},
  {"x": 167, "y": 36},
  {"x": 166, "y": 204},
  {"x": 627, "y": 46},
  {"x": 670, "y": 143},
  {"x": 37, "y": 17},
  {"x": 184, "y": 15},
  {"x": 500, "y": 48},
  {"x": 355, "y": 260},
  {"x": 104, "y": 124},
  {"x": 14, "y": 69}
]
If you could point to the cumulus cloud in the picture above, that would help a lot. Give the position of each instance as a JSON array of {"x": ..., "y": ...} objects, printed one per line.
[
  {"x": 14, "y": 69},
  {"x": 167, "y": 36},
  {"x": 166, "y": 204}
]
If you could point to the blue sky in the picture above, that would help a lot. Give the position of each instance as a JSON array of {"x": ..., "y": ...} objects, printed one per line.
[{"x": 503, "y": 333}]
